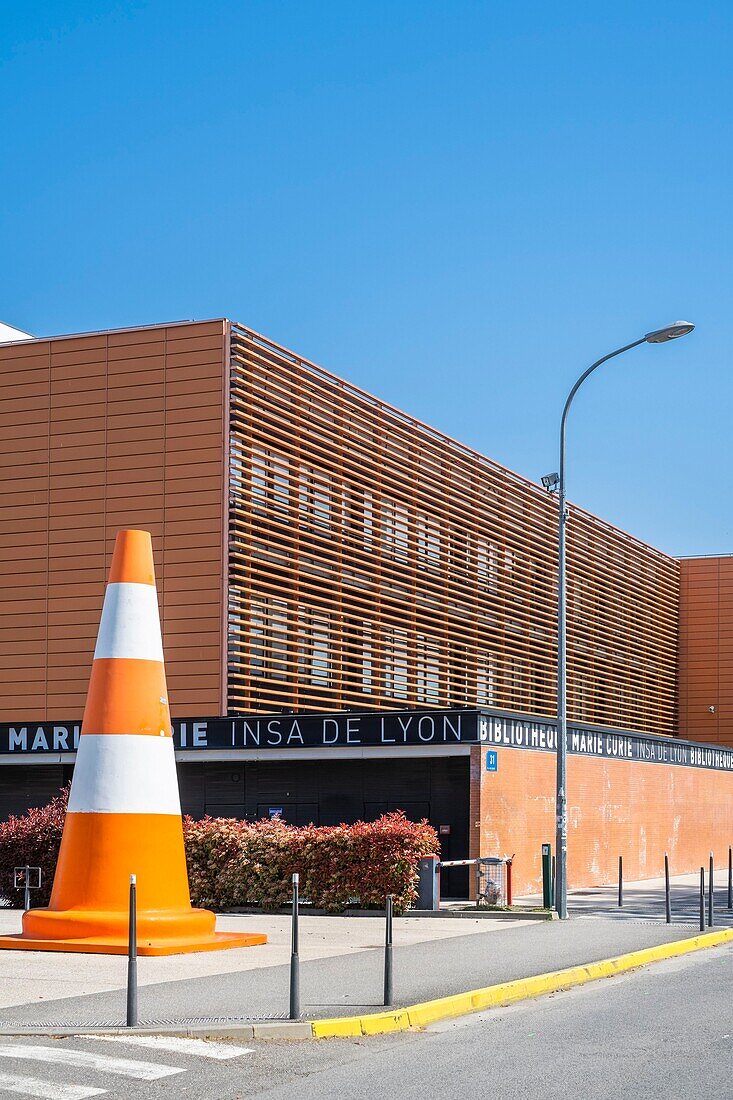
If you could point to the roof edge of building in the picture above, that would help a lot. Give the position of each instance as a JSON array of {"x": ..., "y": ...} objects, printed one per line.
[
  {"x": 122, "y": 328},
  {"x": 702, "y": 557}
]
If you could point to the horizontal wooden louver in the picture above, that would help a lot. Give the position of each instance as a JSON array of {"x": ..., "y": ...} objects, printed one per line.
[{"x": 374, "y": 562}]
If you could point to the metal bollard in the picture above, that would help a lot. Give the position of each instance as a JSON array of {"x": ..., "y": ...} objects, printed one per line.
[
  {"x": 554, "y": 879},
  {"x": 132, "y": 956},
  {"x": 730, "y": 878},
  {"x": 294, "y": 957},
  {"x": 667, "y": 899},
  {"x": 27, "y": 903},
  {"x": 711, "y": 887},
  {"x": 620, "y": 882},
  {"x": 546, "y": 876},
  {"x": 702, "y": 899},
  {"x": 388, "y": 991}
]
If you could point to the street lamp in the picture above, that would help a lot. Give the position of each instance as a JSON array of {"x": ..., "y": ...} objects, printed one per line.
[{"x": 556, "y": 483}]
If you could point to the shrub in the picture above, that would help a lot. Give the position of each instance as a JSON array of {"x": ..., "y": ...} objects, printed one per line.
[
  {"x": 33, "y": 839},
  {"x": 236, "y": 863}
]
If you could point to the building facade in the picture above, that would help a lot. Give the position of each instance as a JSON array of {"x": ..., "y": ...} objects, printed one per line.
[
  {"x": 316, "y": 548},
  {"x": 324, "y": 556}
]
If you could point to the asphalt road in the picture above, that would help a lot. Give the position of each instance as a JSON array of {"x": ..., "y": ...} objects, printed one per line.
[{"x": 662, "y": 1032}]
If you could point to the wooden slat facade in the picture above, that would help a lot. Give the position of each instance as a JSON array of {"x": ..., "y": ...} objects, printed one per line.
[
  {"x": 374, "y": 562},
  {"x": 99, "y": 432}
]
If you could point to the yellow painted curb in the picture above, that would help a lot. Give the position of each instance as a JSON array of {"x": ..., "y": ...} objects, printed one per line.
[{"x": 460, "y": 1004}]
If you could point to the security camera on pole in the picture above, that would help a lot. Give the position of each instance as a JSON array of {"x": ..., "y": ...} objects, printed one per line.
[{"x": 556, "y": 483}]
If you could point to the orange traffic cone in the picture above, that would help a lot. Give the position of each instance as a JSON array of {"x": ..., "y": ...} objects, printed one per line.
[{"x": 124, "y": 814}]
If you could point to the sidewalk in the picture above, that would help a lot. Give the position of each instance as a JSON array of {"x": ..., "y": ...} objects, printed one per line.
[
  {"x": 341, "y": 963},
  {"x": 40, "y": 977}
]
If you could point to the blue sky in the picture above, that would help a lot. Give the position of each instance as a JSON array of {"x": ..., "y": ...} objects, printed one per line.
[{"x": 455, "y": 205}]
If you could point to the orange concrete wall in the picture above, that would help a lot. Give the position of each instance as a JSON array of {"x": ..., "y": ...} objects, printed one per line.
[
  {"x": 615, "y": 807},
  {"x": 706, "y": 650}
]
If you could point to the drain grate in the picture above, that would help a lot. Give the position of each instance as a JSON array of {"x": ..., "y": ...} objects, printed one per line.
[{"x": 188, "y": 1021}]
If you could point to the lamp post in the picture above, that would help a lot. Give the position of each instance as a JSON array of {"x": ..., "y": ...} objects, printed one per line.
[{"x": 555, "y": 482}]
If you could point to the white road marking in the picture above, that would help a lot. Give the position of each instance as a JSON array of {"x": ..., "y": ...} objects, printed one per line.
[
  {"x": 81, "y": 1059},
  {"x": 46, "y": 1090},
  {"x": 202, "y": 1048}
]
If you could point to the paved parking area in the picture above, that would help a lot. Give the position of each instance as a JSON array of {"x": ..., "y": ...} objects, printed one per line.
[{"x": 645, "y": 900}]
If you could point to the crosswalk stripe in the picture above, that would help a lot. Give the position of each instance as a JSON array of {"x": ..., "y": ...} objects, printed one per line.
[
  {"x": 46, "y": 1090},
  {"x": 81, "y": 1059},
  {"x": 202, "y": 1048}
]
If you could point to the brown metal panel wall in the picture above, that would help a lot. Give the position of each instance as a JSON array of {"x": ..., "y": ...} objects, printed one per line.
[
  {"x": 706, "y": 650},
  {"x": 24, "y": 461},
  {"x": 376, "y": 563},
  {"x": 100, "y": 432}
]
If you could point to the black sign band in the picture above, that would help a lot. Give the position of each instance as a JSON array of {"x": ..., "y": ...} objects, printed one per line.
[{"x": 386, "y": 730}]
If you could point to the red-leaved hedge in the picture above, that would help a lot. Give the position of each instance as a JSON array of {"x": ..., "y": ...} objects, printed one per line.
[
  {"x": 235, "y": 863},
  {"x": 33, "y": 839}
]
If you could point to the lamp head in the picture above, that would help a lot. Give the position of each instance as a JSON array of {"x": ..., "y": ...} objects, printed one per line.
[{"x": 671, "y": 332}]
